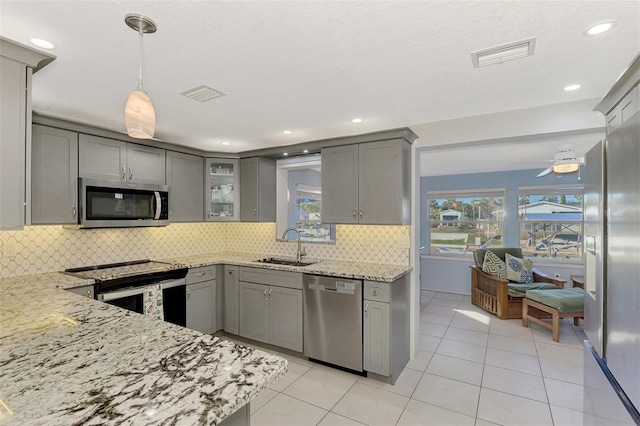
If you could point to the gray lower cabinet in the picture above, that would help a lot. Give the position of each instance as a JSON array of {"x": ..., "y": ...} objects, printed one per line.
[
  {"x": 271, "y": 307},
  {"x": 257, "y": 190},
  {"x": 112, "y": 159},
  {"x": 231, "y": 311},
  {"x": 54, "y": 176},
  {"x": 367, "y": 183},
  {"x": 201, "y": 295},
  {"x": 184, "y": 177},
  {"x": 386, "y": 328}
]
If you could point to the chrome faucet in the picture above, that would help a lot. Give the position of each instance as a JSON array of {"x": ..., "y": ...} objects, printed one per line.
[{"x": 301, "y": 251}]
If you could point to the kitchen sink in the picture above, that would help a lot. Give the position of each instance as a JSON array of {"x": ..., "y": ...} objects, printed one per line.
[{"x": 274, "y": 261}]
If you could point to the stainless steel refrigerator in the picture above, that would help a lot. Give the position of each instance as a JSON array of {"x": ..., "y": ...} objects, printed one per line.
[{"x": 612, "y": 278}]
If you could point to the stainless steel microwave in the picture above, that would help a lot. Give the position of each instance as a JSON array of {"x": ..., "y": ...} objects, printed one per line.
[{"x": 113, "y": 204}]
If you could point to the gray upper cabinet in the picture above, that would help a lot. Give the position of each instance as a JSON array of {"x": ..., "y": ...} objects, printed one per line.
[
  {"x": 368, "y": 183},
  {"x": 111, "y": 159},
  {"x": 221, "y": 189},
  {"x": 258, "y": 190},
  {"x": 184, "y": 177},
  {"x": 340, "y": 184},
  {"x": 54, "y": 176},
  {"x": 17, "y": 63}
]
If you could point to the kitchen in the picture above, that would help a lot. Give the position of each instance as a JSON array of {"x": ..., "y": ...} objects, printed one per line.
[{"x": 65, "y": 248}]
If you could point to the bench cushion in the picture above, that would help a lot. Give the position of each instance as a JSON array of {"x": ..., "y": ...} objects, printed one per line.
[
  {"x": 519, "y": 289},
  {"x": 564, "y": 300}
]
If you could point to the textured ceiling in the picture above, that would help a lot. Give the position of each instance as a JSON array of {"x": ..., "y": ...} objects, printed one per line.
[{"x": 311, "y": 66}]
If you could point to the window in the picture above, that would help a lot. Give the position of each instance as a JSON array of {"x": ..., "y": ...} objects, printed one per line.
[
  {"x": 460, "y": 222},
  {"x": 550, "y": 221},
  {"x": 299, "y": 200}
]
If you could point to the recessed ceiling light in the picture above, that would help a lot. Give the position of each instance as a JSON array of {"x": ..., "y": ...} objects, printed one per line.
[
  {"x": 287, "y": 132},
  {"x": 285, "y": 153},
  {"x": 226, "y": 143},
  {"x": 356, "y": 120},
  {"x": 305, "y": 151},
  {"x": 600, "y": 28},
  {"x": 572, "y": 87},
  {"x": 44, "y": 44}
]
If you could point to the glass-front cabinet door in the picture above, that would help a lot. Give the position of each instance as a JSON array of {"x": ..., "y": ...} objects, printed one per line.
[{"x": 221, "y": 189}]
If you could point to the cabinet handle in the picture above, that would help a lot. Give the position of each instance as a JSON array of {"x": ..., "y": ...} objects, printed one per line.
[
  {"x": 124, "y": 172},
  {"x": 265, "y": 292},
  {"x": 89, "y": 294},
  {"x": 270, "y": 291},
  {"x": 360, "y": 214},
  {"x": 230, "y": 272},
  {"x": 130, "y": 173},
  {"x": 73, "y": 211},
  {"x": 188, "y": 293},
  {"x": 255, "y": 212},
  {"x": 375, "y": 292},
  {"x": 201, "y": 274},
  {"x": 208, "y": 213},
  {"x": 354, "y": 213},
  {"x": 366, "y": 308}
]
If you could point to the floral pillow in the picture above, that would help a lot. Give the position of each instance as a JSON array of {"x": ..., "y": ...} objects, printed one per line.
[
  {"x": 519, "y": 270},
  {"x": 493, "y": 265}
]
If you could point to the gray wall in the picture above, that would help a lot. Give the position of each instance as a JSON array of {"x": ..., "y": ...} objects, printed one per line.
[{"x": 453, "y": 274}]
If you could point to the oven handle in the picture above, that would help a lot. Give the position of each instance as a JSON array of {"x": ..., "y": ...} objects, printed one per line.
[
  {"x": 174, "y": 283},
  {"x": 158, "y": 206},
  {"x": 106, "y": 297}
]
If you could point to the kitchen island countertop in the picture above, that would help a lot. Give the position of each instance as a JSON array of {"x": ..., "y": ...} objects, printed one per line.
[
  {"x": 334, "y": 268},
  {"x": 67, "y": 359}
]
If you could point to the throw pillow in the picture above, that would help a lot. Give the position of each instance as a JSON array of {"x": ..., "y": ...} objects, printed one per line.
[
  {"x": 519, "y": 270},
  {"x": 493, "y": 265}
]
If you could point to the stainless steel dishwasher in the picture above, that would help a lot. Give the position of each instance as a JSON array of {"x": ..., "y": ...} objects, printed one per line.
[{"x": 333, "y": 320}]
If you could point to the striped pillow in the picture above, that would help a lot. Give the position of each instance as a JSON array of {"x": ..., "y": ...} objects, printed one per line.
[{"x": 493, "y": 265}]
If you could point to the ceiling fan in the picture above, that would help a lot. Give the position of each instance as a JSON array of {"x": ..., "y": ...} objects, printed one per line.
[{"x": 565, "y": 161}]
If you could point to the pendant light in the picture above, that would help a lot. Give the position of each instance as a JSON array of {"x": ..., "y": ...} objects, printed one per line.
[{"x": 139, "y": 115}]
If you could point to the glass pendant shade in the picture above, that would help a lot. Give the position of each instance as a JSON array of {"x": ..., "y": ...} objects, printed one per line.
[
  {"x": 139, "y": 115},
  {"x": 566, "y": 167}
]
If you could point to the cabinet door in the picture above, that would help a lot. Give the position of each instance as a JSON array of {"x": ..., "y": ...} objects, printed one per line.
[
  {"x": 376, "y": 337},
  {"x": 145, "y": 164},
  {"x": 54, "y": 176},
  {"x": 231, "y": 299},
  {"x": 201, "y": 306},
  {"x": 221, "y": 190},
  {"x": 381, "y": 183},
  {"x": 14, "y": 78},
  {"x": 249, "y": 190},
  {"x": 102, "y": 158},
  {"x": 285, "y": 318},
  {"x": 184, "y": 177},
  {"x": 340, "y": 184},
  {"x": 254, "y": 311}
]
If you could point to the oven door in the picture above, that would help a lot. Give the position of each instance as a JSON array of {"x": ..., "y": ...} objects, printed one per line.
[{"x": 131, "y": 299}]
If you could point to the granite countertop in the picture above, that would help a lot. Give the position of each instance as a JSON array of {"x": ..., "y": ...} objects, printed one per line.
[
  {"x": 355, "y": 270},
  {"x": 67, "y": 359}
]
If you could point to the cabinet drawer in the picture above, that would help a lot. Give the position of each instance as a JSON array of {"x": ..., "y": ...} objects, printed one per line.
[
  {"x": 203, "y": 273},
  {"x": 376, "y": 291},
  {"x": 271, "y": 277}
]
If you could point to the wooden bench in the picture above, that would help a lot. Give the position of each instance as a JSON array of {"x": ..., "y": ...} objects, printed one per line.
[{"x": 563, "y": 303}]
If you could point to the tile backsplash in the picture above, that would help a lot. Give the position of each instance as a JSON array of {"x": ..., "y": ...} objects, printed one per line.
[{"x": 39, "y": 249}]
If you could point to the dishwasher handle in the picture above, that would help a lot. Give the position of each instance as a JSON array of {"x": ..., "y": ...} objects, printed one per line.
[{"x": 339, "y": 288}]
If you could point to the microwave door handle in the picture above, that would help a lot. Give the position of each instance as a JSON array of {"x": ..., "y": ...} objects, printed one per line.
[
  {"x": 158, "y": 206},
  {"x": 105, "y": 297}
]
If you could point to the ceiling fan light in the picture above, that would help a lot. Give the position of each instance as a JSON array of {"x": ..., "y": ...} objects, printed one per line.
[
  {"x": 566, "y": 166},
  {"x": 139, "y": 115}
]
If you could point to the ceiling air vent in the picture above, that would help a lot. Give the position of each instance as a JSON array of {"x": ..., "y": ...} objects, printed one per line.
[
  {"x": 202, "y": 93},
  {"x": 505, "y": 52}
]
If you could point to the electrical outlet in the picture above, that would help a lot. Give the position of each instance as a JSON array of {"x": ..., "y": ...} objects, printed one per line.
[{"x": 9, "y": 249}]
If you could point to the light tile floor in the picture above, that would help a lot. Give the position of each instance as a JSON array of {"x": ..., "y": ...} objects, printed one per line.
[{"x": 472, "y": 369}]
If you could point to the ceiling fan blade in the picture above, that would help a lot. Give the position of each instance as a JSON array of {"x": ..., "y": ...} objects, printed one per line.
[{"x": 545, "y": 172}]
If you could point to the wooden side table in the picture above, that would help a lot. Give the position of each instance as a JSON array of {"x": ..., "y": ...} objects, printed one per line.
[{"x": 577, "y": 280}]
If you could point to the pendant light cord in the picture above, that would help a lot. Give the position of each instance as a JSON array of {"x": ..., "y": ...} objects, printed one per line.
[{"x": 140, "y": 63}]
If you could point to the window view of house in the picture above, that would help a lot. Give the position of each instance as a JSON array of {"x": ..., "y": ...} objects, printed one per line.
[
  {"x": 550, "y": 222},
  {"x": 463, "y": 222},
  {"x": 308, "y": 214}
]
